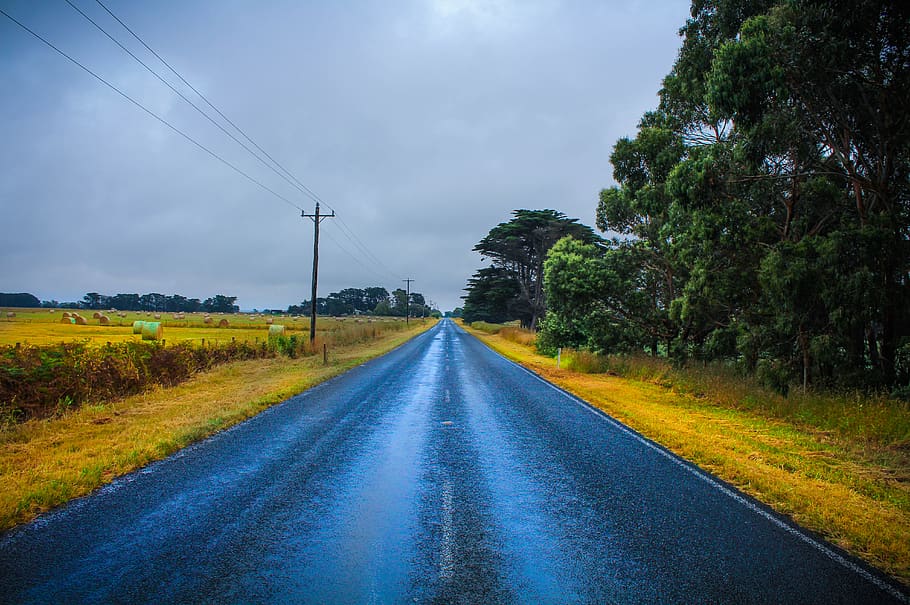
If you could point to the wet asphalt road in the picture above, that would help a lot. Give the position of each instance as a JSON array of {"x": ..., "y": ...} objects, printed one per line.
[{"x": 438, "y": 473}]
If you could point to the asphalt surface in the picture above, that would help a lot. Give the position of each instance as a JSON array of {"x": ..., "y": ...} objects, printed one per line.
[{"x": 438, "y": 473}]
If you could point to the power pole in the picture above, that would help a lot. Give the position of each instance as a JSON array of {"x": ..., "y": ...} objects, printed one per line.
[
  {"x": 317, "y": 218},
  {"x": 407, "y": 302}
]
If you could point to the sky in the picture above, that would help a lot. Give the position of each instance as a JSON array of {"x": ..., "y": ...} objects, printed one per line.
[{"x": 422, "y": 124}]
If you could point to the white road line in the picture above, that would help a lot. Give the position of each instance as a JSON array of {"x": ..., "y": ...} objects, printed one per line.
[{"x": 820, "y": 547}]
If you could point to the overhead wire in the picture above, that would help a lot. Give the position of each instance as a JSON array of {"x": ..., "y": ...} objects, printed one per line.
[
  {"x": 182, "y": 96},
  {"x": 149, "y": 111},
  {"x": 345, "y": 229}
]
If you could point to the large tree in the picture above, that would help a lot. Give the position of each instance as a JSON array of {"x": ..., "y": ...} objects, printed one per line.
[{"x": 762, "y": 212}]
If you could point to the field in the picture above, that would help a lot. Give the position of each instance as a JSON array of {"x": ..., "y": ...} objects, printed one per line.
[{"x": 43, "y": 326}]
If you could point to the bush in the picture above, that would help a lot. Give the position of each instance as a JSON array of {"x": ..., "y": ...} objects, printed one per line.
[{"x": 40, "y": 381}]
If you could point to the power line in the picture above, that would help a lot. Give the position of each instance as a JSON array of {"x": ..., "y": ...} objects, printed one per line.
[
  {"x": 182, "y": 96},
  {"x": 317, "y": 218},
  {"x": 300, "y": 185},
  {"x": 150, "y": 112},
  {"x": 345, "y": 229}
]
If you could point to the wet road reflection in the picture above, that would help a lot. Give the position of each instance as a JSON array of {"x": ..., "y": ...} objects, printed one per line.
[{"x": 438, "y": 473}]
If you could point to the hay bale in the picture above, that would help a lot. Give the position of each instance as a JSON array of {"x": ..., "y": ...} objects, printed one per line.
[
  {"x": 223, "y": 323},
  {"x": 269, "y": 320},
  {"x": 67, "y": 314},
  {"x": 275, "y": 330},
  {"x": 152, "y": 330},
  {"x": 137, "y": 327},
  {"x": 10, "y": 315},
  {"x": 96, "y": 315},
  {"x": 104, "y": 320},
  {"x": 66, "y": 319},
  {"x": 157, "y": 315},
  {"x": 81, "y": 321},
  {"x": 208, "y": 320}
]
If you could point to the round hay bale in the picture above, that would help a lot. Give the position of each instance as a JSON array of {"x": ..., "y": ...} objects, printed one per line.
[
  {"x": 208, "y": 320},
  {"x": 104, "y": 320},
  {"x": 223, "y": 323},
  {"x": 275, "y": 330},
  {"x": 10, "y": 315},
  {"x": 269, "y": 320},
  {"x": 67, "y": 314},
  {"x": 157, "y": 315},
  {"x": 96, "y": 315},
  {"x": 66, "y": 319},
  {"x": 81, "y": 321},
  {"x": 137, "y": 327},
  {"x": 152, "y": 330}
]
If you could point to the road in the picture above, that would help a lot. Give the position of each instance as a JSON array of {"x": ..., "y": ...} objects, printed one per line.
[{"x": 441, "y": 473}]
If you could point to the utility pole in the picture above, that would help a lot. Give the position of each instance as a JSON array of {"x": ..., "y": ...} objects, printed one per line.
[
  {"x": 317, "y": 218},
  {"x": 407, "y": 302}
]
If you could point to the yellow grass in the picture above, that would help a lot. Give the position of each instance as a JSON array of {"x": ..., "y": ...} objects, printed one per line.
[
  {"x": 45, "y": 463},
  {"x": 42, "y": 326},
  {"x": 828, "y": 484}
]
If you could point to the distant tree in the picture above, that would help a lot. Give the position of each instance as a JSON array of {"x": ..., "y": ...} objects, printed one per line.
[
  {"x": 399, "y": 302},
  {"x": 92, "y": 300},
  {"x": 126, "y": 302},
  {"x": 383, "y": 308},
  {"x": 22, "y": 299},
  {"x": 220, "y": 304},
  {"x": 493, "y": 295},
  {"x": 517, "y": 249}
]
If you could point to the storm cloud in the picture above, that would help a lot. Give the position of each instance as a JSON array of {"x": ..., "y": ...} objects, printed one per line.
[{"x": 423, "y": 124}]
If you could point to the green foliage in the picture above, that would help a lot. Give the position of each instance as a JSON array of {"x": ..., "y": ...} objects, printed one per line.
[
  {"x": 22, "y": 300},
  {"x": 762, "y": 212},
  {"x": 512, "y": 288}
]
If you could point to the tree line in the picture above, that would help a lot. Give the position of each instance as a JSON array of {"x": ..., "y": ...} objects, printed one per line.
[
  {"x": 152, "y": 301},
  {"x": 369, "y": 301},
  {"x": 762, "y": 211}
]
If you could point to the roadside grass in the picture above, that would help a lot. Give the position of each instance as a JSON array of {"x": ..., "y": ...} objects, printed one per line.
[
  {"x": 849, "y": 481},
  {"x": 45, "y": 463}
]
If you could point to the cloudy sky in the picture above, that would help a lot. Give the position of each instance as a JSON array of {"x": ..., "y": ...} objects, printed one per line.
[{"x": 423, "y": 124}]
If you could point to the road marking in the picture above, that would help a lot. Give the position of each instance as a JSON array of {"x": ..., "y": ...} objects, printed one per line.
[{"x": 714, "y": 483}]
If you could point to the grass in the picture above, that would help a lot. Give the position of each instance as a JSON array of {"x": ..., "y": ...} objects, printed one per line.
[
  {"x": 45, "y": 463},
  {"x": 43, "y": 326},
  {"x": 848, "y": 480}
]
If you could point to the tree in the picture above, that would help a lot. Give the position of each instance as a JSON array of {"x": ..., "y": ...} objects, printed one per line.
[
  {"x": 220, "y": 304},
  {"x": 92, "y": 300},
  {"x": 493, "y": 295},
  {"x": 517, "y": 249},
  {"x": 762, "y": 212},
  {"x": 22, "y": 299}
]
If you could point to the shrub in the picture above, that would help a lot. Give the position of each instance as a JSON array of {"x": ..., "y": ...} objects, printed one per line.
[{"x": 40, "y": 381}]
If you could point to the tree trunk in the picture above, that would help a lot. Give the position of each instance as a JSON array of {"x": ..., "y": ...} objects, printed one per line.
[{"x": 804, "y": 347}]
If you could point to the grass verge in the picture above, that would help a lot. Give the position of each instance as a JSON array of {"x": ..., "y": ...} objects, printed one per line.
[
  {"x": 45, "y": 463},
  {"x": 853, "y": 491}
]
